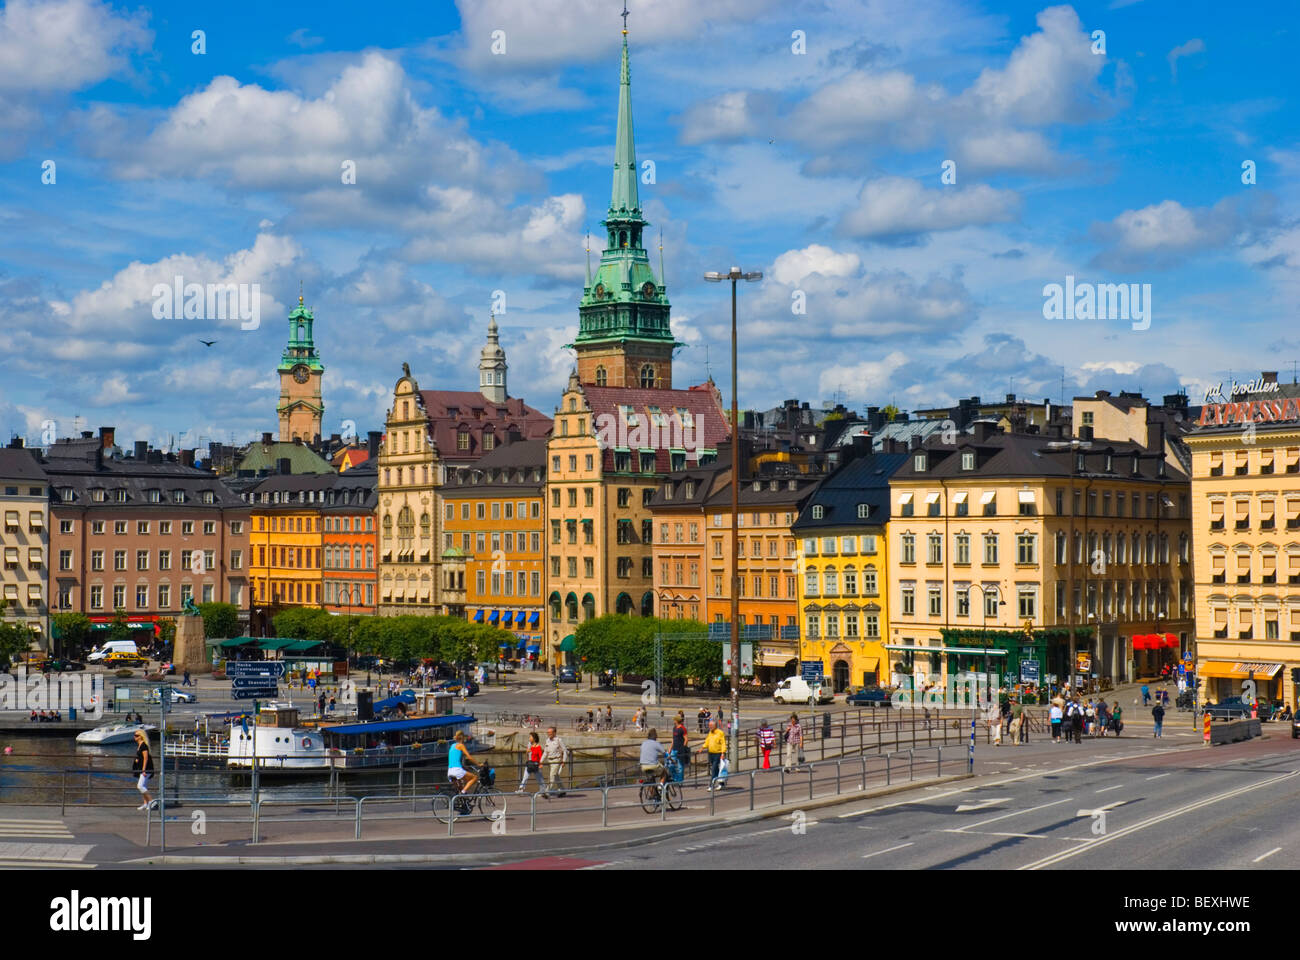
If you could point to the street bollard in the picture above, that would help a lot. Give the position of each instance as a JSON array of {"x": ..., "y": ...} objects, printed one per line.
[
  {"x": 939, "y": 770},
  {"x": 532, "y": 815},
  {"x": 910, "y": 757},
  {"x": 604, "y": 806},
  {"x": 752, "y": 773},
  {"x": 887, "y": 771}
]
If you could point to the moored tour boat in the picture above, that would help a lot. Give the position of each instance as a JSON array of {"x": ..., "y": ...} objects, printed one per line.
[{"x": 111, "y": 733}]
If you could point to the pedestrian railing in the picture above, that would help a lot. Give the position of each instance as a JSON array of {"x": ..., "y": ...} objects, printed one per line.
[{"x": 606, "y": 807}]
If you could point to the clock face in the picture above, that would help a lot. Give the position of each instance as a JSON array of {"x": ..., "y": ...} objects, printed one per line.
[
  {"x": 600, "y": 291},
  {"x": 301, "y": 373},
  {"x": 648, "y": 290}
]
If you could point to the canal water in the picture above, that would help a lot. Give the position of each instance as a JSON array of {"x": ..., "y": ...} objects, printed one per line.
[{"x": 52, "y": 770}]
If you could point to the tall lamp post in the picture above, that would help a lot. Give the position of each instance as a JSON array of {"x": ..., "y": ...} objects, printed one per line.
[
  {"x": 735, "y": 274},
  {"x": 984, "y": 637}
]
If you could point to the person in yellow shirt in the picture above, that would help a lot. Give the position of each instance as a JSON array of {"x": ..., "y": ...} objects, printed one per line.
[{"x": 715, "y": 742}]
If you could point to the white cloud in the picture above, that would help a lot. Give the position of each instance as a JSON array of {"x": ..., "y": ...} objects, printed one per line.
[
  {"x": 898, "y": 206},
  {"x": 993, "y": 150},
  {"x": 1187, "y": 49},
  {"x": 864, "y": 105},
  {"x": 728, "y": 117},
  {"x": 865, "y": 378},
  {"x": 1165, "y": 232},
  {"x": 65, "y": 45}
]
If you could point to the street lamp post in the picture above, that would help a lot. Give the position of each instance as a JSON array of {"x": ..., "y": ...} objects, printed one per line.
[
  {"x": 984, "y": 639},
  {"x": 734, "y": 274}
]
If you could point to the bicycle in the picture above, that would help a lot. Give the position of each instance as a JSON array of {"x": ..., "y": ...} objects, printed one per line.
[
  {"x": 655, "y": 790},
  {"x": 482, "y": 798}
]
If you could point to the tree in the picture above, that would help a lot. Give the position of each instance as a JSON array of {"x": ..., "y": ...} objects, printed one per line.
[
  {"x": 889, "y": 412},
  {"x": 118, "y": 629},
  {"x": 72, "y": 631},
  {"x": 626, "y": 645},
  {"x": 220, "y": 619},
  {"x": 14, "y": 638}
]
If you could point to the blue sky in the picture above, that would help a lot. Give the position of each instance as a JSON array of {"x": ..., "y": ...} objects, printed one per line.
[{"x": 479, "y": 171}]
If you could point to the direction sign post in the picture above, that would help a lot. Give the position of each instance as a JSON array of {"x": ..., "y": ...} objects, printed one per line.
[
  {"x": 254, "y": 693},
  {"x": 255, "y": 668},
  {"x": 247, "y": 683}
]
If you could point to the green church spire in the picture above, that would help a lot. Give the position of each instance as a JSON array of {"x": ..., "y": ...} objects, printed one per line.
[{"x": 624, "y": 203}]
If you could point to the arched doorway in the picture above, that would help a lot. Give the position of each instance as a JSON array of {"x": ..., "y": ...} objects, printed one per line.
[
  {"x": 648, "y": 605},
  {"x": 840, "y": 676},
  {"x": 588, "y": 607},
  {"x": 624, "y": 604}
]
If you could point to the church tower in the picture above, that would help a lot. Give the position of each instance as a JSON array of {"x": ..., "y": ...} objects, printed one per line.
[
  {"x": 624, "y": 339},
  {"x": 492, "y": 367},
  {"x": 300, "y": 409}
]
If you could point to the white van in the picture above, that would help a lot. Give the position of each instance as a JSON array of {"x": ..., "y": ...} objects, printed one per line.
[
  {"x": 116, "y": 646},
  {"x": 797, "y": 690}
]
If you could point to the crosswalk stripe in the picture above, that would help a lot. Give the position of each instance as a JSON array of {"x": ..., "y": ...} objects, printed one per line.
[{"x": 35, "y": 864}]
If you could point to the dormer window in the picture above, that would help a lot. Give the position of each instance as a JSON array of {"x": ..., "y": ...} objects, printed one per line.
[
  {"x": 178, "y": 496},
  {"x": 668, "y": 491},
  {"x": 818, "y": 511},
  {"x": 155, "y": 496},
  {"x": 792, "y": 484},
  {"x": 758, "y": 485},
  {"x": 918, "y": 462},
  {"x": 1079, "y": 462},
  {"x": 1136, "y": 469},
  {"x": 1110, "y": 463},
  {"x": 864, "y": 511},
  {"x": 968, "y": 460},
  {"x": 208, "y": 497},
  {"x": 121, "y": 496},
  {"x": 690, "y": 488}
]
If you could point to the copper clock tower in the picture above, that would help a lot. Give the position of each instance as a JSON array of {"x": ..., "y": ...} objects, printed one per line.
[{"x": 300, "y": 409}]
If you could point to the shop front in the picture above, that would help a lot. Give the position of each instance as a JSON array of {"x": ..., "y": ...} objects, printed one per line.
[{"x": 1228, "y": 678}]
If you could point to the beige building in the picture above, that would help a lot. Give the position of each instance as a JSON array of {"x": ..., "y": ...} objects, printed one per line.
[
  {"x": 1000, "y": 532},
  {"x": 25, "y": 539},
  {"x": 1246, "y": 532}
]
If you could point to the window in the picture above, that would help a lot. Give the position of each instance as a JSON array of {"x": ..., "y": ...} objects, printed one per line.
[
  {"x": 209, "y": 527},
  {"x": 935, "y": 601},
  {"x": 990, "y": 548},
  {"x": 963, "y": 600},
  {"x": 909, "y": 548},
  {"x": 905, "y": 505},
  {"x": 818, "y": 511},
  {"x": 864, "y": 511},
  {"x": 934, "y": 548},
  {"x": 187, "y": 528},
  {"x": 65, "y": 559},
  {"x": 164, "y": 559},
  {"x": 813, "y": 625},
  {"x": 1027, "y": 601},
  {"x": 119, "y": 559},
  {"x": 119, "y": 528},
  {"x": 1026, "y": 548},
  {"x": 850, "y": 583},
  {"x": 963, "y": 548},
  {"x": 919, "y": 462},
  {"x": 142, "y": 559},
  {"x": 968, "y": 460},
  {"x": 96, "y": 559},
  {"x": 909, "y": 600},
  {"x": 832, "y": 583},
  {"x": 164, "y": 596},
  {"x": 990, "y": 503},
  {"x": 810, "y": 588}
]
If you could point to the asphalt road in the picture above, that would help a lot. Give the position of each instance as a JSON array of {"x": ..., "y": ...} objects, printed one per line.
[{"x": 1230, "y": 807}]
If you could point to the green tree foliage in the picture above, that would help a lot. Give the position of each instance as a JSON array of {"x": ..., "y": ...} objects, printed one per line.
[
  {"x": 627, "y": 645},
  {"x": 406, "y": 637},
  {"x": 15, "y": 638},
  {"x": 220, "y": 620},
  {"x": 73, "y": 633},
  {"x": 118, "y": 630}
]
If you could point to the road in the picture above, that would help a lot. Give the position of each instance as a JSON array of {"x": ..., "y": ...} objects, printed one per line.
[{"x": 1232, "y": 807}]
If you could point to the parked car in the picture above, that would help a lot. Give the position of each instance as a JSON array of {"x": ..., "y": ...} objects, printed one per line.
[
  {"x": 797, "y": 690},
  {"x": 870, "y": 697},
  {"x": 567, "y": 675},
  {"x": 61, "y": 665},
  {"x": 453, "y": 686},
  {"x": 1233, "y": 708},
  {"x": 178, "y": 696},
  {"x": 125, "y": 660}
]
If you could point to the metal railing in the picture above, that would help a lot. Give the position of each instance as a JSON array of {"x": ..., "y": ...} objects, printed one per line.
[{"x": 613, "y": 805}]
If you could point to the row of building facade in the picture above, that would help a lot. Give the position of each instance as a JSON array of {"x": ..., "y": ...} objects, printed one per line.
[{"x": 1104, "y": 538}]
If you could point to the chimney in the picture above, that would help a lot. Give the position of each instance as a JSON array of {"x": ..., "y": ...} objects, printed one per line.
[
  {"x": 373, "y": 439},
  {"x": 982, "y": 431},
  {"x": 1011, "y": 398},
  {"x": 1268, "y": 376},
  {"x": 266, "y": 439},
  {"x": 106, "y": 437},
  {"x": 187, "y": 458},
  {"x": 155, "y": 456},
  {"x": 282, "y": 465},
  {"x": 336, "y": 440},
  {"x": 142, "y": 450},
  {"x": 914, "y": 442},
  {"x": 86, "y": 434},
  {"x": 16, "y": 443},
  {"x": 297, "y": 441}
]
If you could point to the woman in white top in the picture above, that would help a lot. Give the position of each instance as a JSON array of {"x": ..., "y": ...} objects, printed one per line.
[{"x": 1055, "y": 715}]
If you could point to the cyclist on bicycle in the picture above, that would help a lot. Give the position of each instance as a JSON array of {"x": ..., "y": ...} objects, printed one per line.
[
  {"x": 652, "y": 757},
  {"x": 457, "y": 758}
]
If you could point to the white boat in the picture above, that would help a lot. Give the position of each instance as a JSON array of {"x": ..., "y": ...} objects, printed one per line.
[{"x": 112, "y": 733}]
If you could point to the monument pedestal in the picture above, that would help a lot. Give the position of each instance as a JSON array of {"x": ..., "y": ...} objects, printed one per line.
[{"x": 190, "y": 654}]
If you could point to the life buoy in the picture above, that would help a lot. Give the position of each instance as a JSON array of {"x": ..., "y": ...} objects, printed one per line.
[{"x": 306, "y": 743}]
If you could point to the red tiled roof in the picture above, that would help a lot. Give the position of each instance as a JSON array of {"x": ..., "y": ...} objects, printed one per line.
[
  {"x": 349, "y": 457},
  {"x": 703, "y": 401},
  {"x": 449, "y": 410}
]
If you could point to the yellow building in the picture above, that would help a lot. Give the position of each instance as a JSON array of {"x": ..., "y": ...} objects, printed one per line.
[
  {"x": 285, "y": 541},
  {"x": 1245, "y": 518},
  {"x": 1087, "y": 542},
  {"x": 494, "y": 520},
  {"x": 843, "y": 572}
]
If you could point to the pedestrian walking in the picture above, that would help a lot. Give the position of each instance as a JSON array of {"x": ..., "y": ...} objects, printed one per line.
[
  {"x": 681, "y": 747},
  {"x": 186, "y": 681},
  {"x": 332, "y": 703},
  {"x": 533, "y": 764},
  {"x": 793, "y": 738},
  {"x": 1146, "y": 695},
  {"x": 1158, "y": 715},
  {"x": 1056, "y": 714},
  {"x": 609, "y": 717},
  {"x": 994, "y": 720},
  {"x": 143, "y": 766},
  {"x": 715, "y": 744},
  {"x": 1076, "y": 720},
  {"x": 702, "y": 719},
  {"x": 1116, "y": 721},
  {"x": 766, "y": 741},
  {"x": 553, "y": 755}
]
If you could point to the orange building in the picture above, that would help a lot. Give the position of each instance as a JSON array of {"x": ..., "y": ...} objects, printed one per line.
[
  {"x": 350, "y": 542},
  {"x": 493, "y": 525},
  {"x": 679, "y": 543}
]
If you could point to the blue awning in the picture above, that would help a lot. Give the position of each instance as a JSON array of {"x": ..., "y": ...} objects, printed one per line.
[
  {"x": 532, "y": 648},
  {"x": 495, "y": 616},
  {"x": 504, "y": 646},
  {"x": 523, "y": 641},
  {"x": 532, "y": 619},
  {"x": 478, "y": 616},
  {"x": 507, "y": 616}
]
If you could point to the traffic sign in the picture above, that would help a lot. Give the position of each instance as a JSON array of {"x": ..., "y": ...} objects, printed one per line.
[
  {"x": 248, "y": 683},
  {"x": 1029, "y": 671},
  {"x": 255, "y": 693},
  {"x": 255, "y": 668},
  {"x": 811, "y": 670}
]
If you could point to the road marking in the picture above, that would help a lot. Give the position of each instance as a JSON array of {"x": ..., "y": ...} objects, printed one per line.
[
  {"x": 867, "y": 856},
  {"x": 1267, "y": 855},
  {"x": 1107, "y": 789},
  {"x": 1013, "y": 813},
  {"x": 36, "y": 864},
  {"x": 981, "y": 804},
  {"x": 1152, "y": 821},
  {"x": 1097, "y": 810},
  {"x": 1026, "y": 836},
  {"x": 1158, "y": 776}
]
